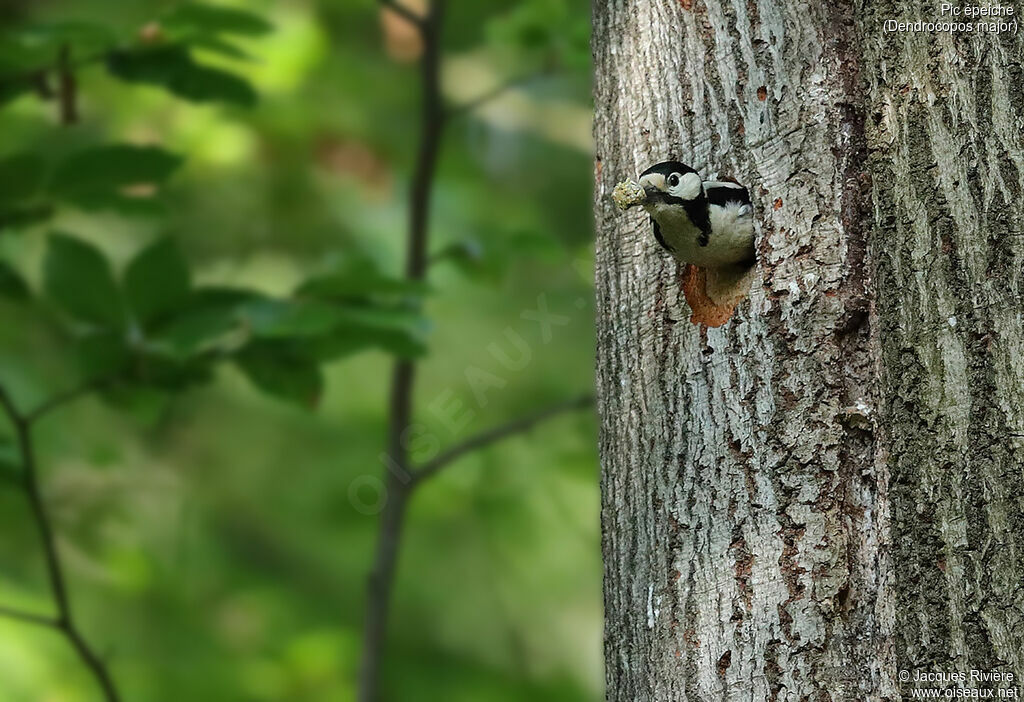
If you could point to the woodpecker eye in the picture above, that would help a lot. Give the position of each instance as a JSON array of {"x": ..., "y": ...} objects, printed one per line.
[{"x": 673, "y": 180}]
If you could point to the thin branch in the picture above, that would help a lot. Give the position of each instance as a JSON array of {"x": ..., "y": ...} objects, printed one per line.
[
  {"x": 64, "y": 621},
  {"x": 382, "y": 574},
  {"x": 28, "y": 618},
  {"x": 432, "y": 120},
  {"x": 66, "y": 397},
  {"x": 38, "y": 77},
  {"x": 67, "y": 90},
  {"x": 494, "y": 93},
  {"x": 92, "y": 661},
  {"x": 35, "y": 498},
  {"x": 400, "y": 480},
  {"x": 404, "y": 12},
  {"x": 519, "y": 426}
]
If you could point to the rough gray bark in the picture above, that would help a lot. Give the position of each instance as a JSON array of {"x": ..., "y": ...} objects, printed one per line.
[
  {"x": 946, "y": 132},
  {"x": 754, "y": 549}
]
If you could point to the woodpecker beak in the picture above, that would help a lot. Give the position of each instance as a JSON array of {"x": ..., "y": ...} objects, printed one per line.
[{"x": 654, "y": 188}]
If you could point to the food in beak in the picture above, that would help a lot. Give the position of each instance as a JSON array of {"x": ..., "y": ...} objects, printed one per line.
[{"x": 628, "y": 194}]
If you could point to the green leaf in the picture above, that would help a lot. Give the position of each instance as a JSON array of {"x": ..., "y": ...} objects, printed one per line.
[
  {"x": 19, "y": 217},
  {"x": 347, "y": 342},
  {"x": 281, "y": 370},
  {"x": 397, "y": 330},
  {"x": 111, "y": 354},
  {"x": 115, "y": 166},
  {"x": 145, "y": 404},
  {"x": 171, "y": 374},
  {"x": 21, "y": 178},
  {"x": 12, "y": 285},
  {"x": 156, "y": 281},
  {"x": 27, "y": 51},
  {"x": 210, "y": 319},
  {"x": 21, "y": 185},
  {"x": 173, "y": 68},
  {"x": 380, "y": 317},
  {"x": 194, "y": 331},
  {"x": 333, "y": 330},
  {"x": 102, "y": 176},
  {"x": 31, "y": 48},
  {"x": 218, "y": 46},
  {"x": 102, "y": 354},
  {"x": 212, "y": 19},
  {"x": 337, "y": 329},
  {"x": 78, "y": 278},
  {"x": 287, "y": 319},
  {"x": 360, "y": 280}
]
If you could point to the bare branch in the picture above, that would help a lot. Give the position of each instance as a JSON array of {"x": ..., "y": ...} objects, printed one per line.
[
  {"x": 382, "y": 575},
  {"x": 67, "y": 90},
  {"x": 491, "y": 436},
  {"x": 28, "y": 618},
  {"x": 39, "y": 77},
  {"x": 64, "y": 621},
  {"x": 433, "y": 119},
  {"x": 404, "y": 12},
  {"x": 66, "y": 397}
]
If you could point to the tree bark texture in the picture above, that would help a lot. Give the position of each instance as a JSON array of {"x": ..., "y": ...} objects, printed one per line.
[
  {"x": 827, "y": 489},
  {"x": 946, "y": 133}
]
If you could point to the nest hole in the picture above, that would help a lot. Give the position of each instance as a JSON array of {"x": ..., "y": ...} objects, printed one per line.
[{"x": 714, "y": 293}]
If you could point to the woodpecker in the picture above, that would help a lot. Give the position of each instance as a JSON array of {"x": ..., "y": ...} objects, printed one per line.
[{"x": 707, "y": 223}]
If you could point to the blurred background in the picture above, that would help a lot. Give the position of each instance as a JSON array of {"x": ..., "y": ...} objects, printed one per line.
[{"x": 217, "y": 539}]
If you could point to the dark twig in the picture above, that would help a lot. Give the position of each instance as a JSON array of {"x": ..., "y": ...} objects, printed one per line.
[
  {"x": 496, "y": 434},
  {"x": 401, "y": 480},
  {"x": 39, "y": 78},
  {"x": 65, "y": 397},
  {"x": 64, "y": 621},
  {"x": 404, "y": 12},
  {"x": 382, "y": 575},
  {"x": 27, "y": 617},
  {"x": 67, "y": 89}
]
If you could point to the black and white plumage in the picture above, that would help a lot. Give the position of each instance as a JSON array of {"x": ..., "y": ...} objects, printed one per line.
[{"x": 707, "y": 223}]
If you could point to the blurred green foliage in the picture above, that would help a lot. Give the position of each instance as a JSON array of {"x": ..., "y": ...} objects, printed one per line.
[{"x": 226, "y": 220}]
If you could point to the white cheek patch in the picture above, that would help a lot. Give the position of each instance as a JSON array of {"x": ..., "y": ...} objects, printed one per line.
[
  {"x": 689, "y": 186},
  {"x": 653, "y": 180}
]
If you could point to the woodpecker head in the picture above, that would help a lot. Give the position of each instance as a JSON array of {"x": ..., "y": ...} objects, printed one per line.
[{"x": 670, "y": 182}]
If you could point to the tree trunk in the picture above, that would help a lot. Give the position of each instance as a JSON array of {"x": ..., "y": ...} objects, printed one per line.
[
  {"x": 947, "y": 162},
  {"x": 827, "y": 489}
]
